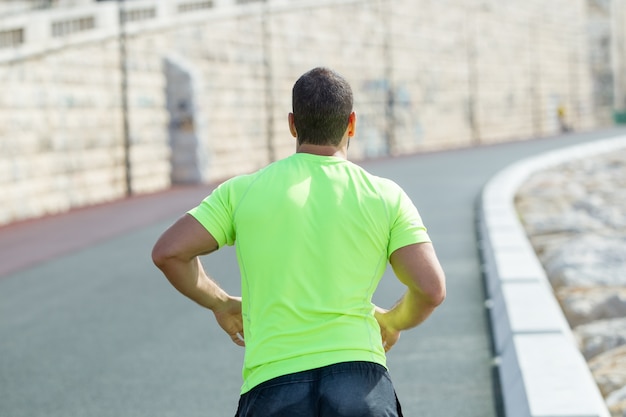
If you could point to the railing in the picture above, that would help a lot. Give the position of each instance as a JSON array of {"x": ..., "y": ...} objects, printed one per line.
[
  {"x": 193, "y": 6},
  {"x": 11, "y": 38},
  {"x": 39, "y": 29},
  {"x": 25, "y": 6},
  {"x": 67, "y": 27}
]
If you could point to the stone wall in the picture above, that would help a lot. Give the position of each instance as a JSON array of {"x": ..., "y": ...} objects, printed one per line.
[
  {"x": 607, "y": 57},
  {"x": 573, "y": 214},
  {"x": 618, "y": 52},
  {"x": 426, "y": 75}
]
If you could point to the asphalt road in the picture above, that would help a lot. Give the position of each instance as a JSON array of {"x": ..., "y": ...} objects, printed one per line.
[{"x": 95, "y": 330}]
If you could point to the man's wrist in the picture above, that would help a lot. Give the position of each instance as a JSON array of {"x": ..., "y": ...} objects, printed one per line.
[{"x": 220, "y": 299}]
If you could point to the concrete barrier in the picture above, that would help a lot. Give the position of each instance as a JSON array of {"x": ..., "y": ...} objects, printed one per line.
[{"x": 542, "y": 373}]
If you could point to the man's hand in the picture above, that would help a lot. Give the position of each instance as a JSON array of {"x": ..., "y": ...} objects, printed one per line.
[
  {"x": 388, "y": 334},
  {"x": 176, "y": 254},
  {"x": 228, "y": 316}
]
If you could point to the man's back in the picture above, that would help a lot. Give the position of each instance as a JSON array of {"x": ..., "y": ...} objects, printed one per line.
[
  {"x": 314, "y": 233},
  {"x": 313, "y": 236}
]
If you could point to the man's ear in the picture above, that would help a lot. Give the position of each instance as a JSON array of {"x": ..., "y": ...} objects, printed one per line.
[
  {"x": 352, "y": 124},
  {"x": 292, "y": 126}
]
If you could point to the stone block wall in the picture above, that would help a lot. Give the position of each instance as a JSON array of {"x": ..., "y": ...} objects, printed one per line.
[
  {"x": 426, "y": 75},
  {"x": 60, "y": 136},
  {"x": 618, "y": 53}
]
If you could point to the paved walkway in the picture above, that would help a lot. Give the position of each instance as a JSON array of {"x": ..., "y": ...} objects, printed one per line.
[{"x": 89, "y": 327}]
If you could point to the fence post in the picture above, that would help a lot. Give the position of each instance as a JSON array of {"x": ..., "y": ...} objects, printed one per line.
[
  {"x": 269, "y": 88},
  {"x": 124, "y": 97}
]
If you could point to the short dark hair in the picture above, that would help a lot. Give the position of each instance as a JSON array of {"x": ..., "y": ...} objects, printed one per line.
[{"x": 322, "y": 104}]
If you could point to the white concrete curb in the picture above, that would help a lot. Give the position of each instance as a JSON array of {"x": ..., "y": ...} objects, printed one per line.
[{"x": 541, "y": 371}]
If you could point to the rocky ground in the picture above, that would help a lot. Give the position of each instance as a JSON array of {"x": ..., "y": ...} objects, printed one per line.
[{"x": 575, "y": 217}]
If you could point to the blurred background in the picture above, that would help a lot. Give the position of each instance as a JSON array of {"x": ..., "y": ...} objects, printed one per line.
[
  {"x": 106, "y": 99},
  {"x": 103, "y": 100}
]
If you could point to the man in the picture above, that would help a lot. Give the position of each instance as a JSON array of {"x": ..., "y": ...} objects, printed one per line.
[{"x": 313, "y": 234}]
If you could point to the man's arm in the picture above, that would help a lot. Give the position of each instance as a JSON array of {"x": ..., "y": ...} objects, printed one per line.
[
  {"x": 176, "y": 255},
  {"x": 417, "y": 267}
]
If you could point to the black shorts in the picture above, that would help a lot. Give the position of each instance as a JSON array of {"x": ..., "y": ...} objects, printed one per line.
[{"x": 347, "y": 389}]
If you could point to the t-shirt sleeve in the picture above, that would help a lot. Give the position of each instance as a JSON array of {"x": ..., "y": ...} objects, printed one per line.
[
  {"x": 215, "y": 213},
  {"x": 407, "y": 227}
]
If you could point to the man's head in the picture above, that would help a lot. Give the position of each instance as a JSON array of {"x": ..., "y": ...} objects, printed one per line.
[{"x": 322, "y": 105}]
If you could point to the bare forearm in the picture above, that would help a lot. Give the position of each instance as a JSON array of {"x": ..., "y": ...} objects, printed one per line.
[
  {"x": 417, "y": 267},
  {"x": 176, "y": 255},
  {"x": 411, "y": 310},
  {"x": 189, "y": 278}
]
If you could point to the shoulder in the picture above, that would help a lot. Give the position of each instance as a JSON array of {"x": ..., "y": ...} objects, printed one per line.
[
  {"x": 386, "y": 187},
  {"x": 235, "y": 189},
  {"x": 242, "y": 181}
]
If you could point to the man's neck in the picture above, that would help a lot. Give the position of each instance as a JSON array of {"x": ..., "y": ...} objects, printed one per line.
[{"x": 323, "y": 150}]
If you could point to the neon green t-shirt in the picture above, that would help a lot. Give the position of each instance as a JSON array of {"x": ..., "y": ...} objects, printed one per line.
[{"x": 313, "y": 236}]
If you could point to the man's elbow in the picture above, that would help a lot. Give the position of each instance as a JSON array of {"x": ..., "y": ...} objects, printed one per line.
[
  {"x": 437, "y": 297},
  {"x": 162, "y": 256},
  {"x": 158, "y": 257},
  {"x": 435, "y": 293}
]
